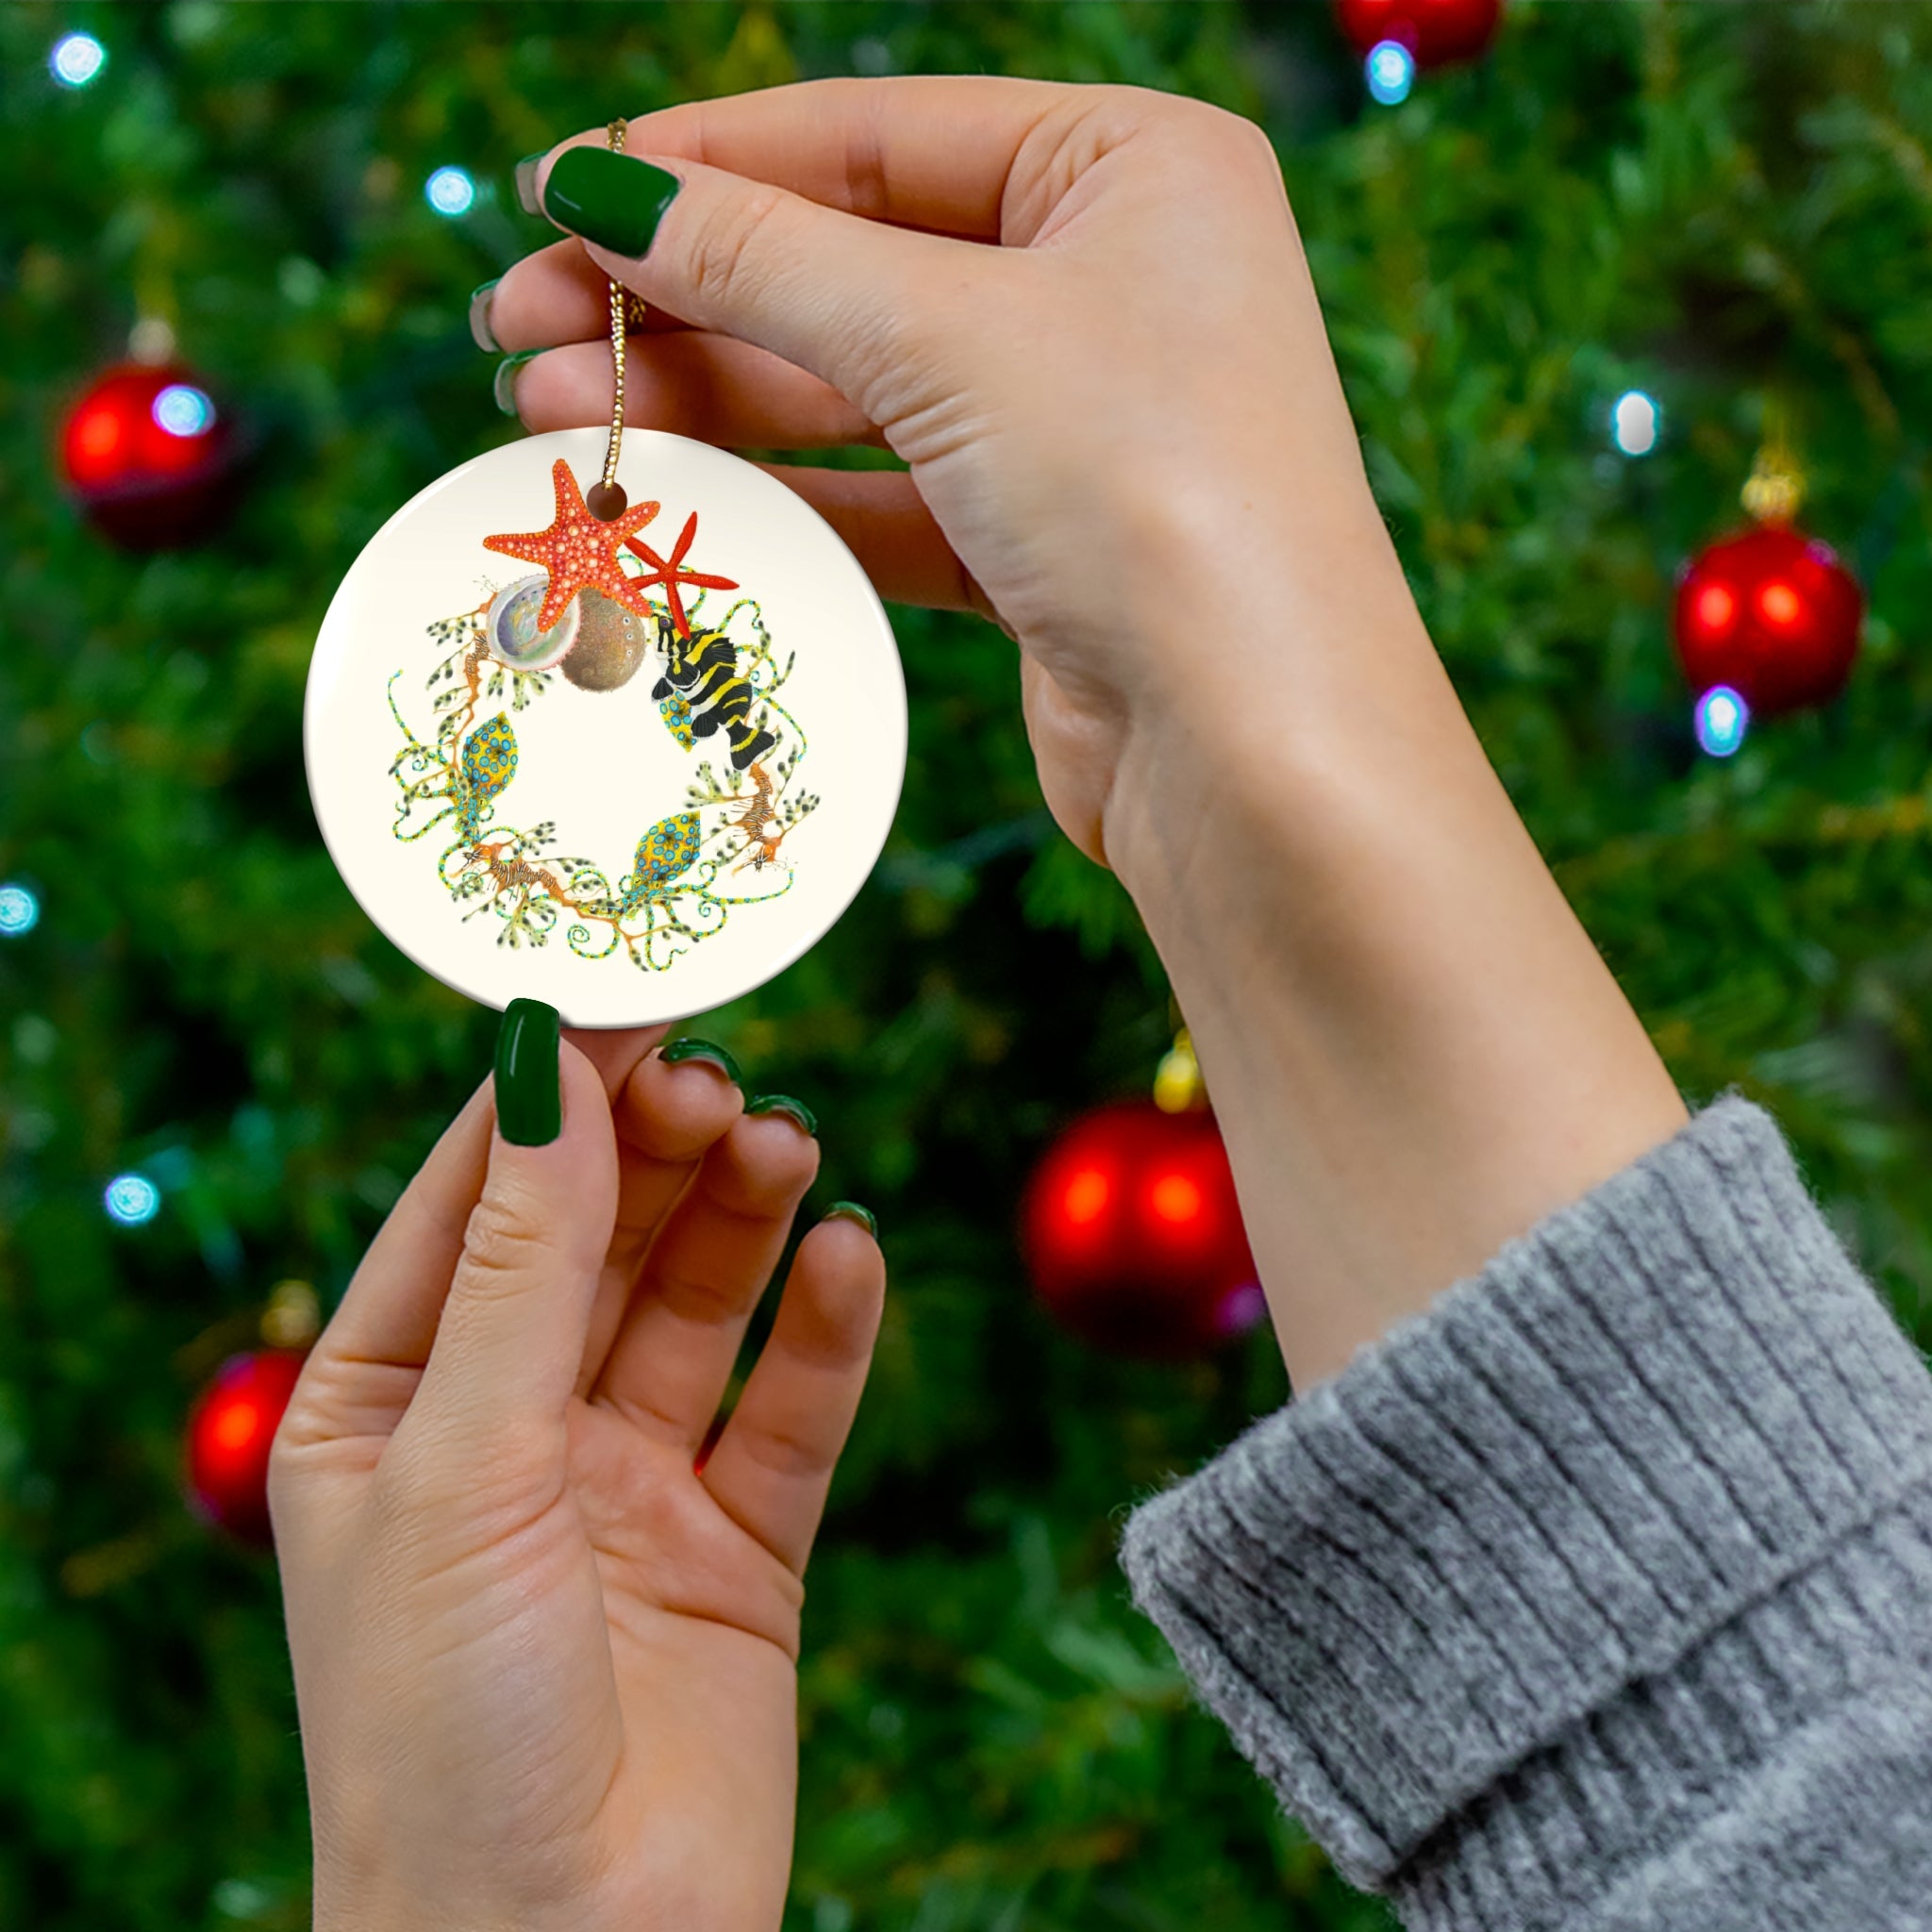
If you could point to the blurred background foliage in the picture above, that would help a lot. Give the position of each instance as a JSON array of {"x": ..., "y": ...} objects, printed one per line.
[{"x": 1726, "y": 205}]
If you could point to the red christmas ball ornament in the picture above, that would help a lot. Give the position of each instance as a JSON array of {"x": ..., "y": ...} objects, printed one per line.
[
  {"x": 1436, "y": 32},
  {"x": 149, "y": 456},
  {"x": 229, "y": 1433},
  {"x": 1133, "y": 1235},
  {"x": 1773, "y": 614}
]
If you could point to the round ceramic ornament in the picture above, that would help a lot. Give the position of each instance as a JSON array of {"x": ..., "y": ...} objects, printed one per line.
[{"x": 631, "y": 766}]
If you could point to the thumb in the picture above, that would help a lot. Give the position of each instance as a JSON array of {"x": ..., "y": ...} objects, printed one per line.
[
  {"x": 511, "y": 1340},
  {"x": 848, "y": 299}
]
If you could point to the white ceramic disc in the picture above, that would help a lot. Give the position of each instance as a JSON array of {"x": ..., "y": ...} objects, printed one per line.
[{"x": 658, "y": 817}]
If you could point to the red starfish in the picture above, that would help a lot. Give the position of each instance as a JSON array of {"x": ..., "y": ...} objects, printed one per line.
[
  {"x": 672, "y": 574},
  {"x": 578, "y": 549}
]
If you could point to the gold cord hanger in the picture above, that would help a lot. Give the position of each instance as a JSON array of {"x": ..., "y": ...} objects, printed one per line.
[
  {"x": 606, "y": 499},
  {"x": 1776, "y": 491}
]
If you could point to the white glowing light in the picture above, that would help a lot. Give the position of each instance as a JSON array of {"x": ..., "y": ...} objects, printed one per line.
[
  {"x": 450, "y": 192},
  {"x": 76, "y": 59},
  {"x": 1722, "y": 718},
  {"x": 1635, "y": 423},
  {"x": 20, "y": 911},
  {"x": 183, "y": 410},
  {"x": 1390, "y": 72},
  {"x": 132, "y": 1199}
]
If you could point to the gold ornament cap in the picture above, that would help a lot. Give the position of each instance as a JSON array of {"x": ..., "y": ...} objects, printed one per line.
[
  {"x": 1775, "y": 491},
  {"x": 1177, "y": 1084},
  {"x": 292, "y": 1317}
]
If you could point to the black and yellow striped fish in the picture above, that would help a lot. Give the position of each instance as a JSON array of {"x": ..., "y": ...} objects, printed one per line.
[{"x": 702, "y": 692}]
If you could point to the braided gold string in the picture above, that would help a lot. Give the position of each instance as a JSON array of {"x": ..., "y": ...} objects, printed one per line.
[
  {"x": 1775, "y": 491},
  {"x": 628, "y": 311},
  {"x": 615, "y": 135}
]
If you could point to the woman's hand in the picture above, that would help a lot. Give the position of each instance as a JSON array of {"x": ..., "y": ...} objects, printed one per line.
[
  {"x": 1127, "y": 441},
  {"x": 545, "y": 1668},
  {"x": 1120, "y": 423}
]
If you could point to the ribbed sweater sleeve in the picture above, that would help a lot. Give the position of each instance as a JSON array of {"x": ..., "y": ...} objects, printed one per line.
[{"x": 1599, "y": 1596}]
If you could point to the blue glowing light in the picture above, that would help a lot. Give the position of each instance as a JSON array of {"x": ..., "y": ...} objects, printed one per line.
[
  {"x": 20, "y": 911},
  {"x": 76, "y": 59},
  {"x": 184, "y": 410},
  {"x": 1722, "y": 718},
  {"x": 1635, "y": 423},
  {"x": 1390, "y": 72},
  {"x": 450, "y": 192},
  {"x": 132, "y": 1199}
]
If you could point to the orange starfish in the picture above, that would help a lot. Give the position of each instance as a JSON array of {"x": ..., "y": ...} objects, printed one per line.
[
  {"x": 578, "y": 549},
  {"x": 672, "y": 572}
]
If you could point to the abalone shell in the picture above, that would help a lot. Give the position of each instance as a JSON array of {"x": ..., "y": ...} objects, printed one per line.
[{"x": 512, "y": 625}]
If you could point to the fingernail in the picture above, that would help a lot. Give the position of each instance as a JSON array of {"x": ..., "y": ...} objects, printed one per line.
[
  {"x": 783, "y": 1103},
  {"x": 704, "y": 1050},
  {"x": 529, "y": 1087},
  {"x": 608, "y": 198},
  {"x": 851, "y": 1210},
  {"x": 527, "y": 183},
  {"x": 480, "y": 331},
  {"x": 505, "y": 385}
]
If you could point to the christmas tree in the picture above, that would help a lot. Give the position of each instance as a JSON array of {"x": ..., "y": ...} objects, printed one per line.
[{"x": 1717, "y": 214}]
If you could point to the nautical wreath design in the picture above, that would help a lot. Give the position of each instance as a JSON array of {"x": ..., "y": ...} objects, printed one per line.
[{"x": 587, "y": 616}]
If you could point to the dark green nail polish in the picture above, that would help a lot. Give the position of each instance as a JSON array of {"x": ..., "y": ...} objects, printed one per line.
[
  {"x": 527, "y": 183},
  {"x": 529, "y": 1087},
  {"x": 480, "y": 331},
  {"x": 851, "y": 1210},
  {"x": 701, "y": 1050},
  {"x": 783, "y": 1103},
  {"x": 505, "y": 385},
  {"x": 608, "y": 198}
]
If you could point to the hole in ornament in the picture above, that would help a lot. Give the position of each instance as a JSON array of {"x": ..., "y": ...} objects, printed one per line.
[{"x": 606, "y": 501}]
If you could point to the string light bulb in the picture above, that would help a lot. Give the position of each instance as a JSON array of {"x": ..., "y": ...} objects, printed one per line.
[
  {"x": 20, "y": 910},
  {"x": 1722, "y": 719},
  {"x": 450, "y": 192},
  {"x": 132, "y": 1200},
  {"x": 1390, "y": 70},
  {"x": 1636, "y": 423},
  {"x": 76, "y": 59}
]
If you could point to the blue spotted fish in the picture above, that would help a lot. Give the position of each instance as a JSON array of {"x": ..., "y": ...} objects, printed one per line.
[
  {"x": 488, "y": 762},
  {"x": 665, "y": 852}
]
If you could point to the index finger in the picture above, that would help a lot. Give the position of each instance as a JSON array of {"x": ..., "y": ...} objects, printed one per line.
[
  {"x": 917, "y": 150},
  {"x": 616, "y": 1051}
]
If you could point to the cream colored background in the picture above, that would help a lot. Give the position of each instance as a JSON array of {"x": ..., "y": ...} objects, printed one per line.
[{"x": 602, "y": 764}]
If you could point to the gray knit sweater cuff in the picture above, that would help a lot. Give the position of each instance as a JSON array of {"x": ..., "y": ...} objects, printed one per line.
[{"x": 1535, "y": 1580}]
